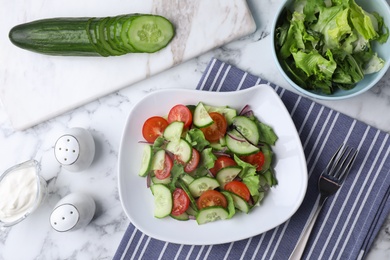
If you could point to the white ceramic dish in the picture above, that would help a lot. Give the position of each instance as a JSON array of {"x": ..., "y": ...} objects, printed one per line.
[{"x": 277, "y": 207}]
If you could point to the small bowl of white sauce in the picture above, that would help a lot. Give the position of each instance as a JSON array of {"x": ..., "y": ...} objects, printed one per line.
[{"x": 22, "y": 190}]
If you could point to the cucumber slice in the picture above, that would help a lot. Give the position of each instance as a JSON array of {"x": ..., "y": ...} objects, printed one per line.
[
  {"x": 231, "y": 208},
  {"x": 247, "y": 128},
  {"x": 173, "y": 131},
  {"x": 149, "y": 33},
  {"x": 91, "y": 34},
  {"x": 227, "y": 112},
  {"x": 95, "y": 34},
  {"x": 239, "y": 147},
  {"x": 163, "y": 201},
  {"x": 240, "y": 203},
  {"x": 158, "y": 160},
  {"x": 200, "y": 185},
  {"x": 210, "y": 214},
  {"x": 219, "y": 146},
  {"x": 146, "y": 162},
  {"x": 114, "y": 35},
  {"x": 181, "y": 217},
  {"x": 182, "y": 149},
  {"x": 155, "y": 180},
  {"x": 201, "y": 117},
  {"x": 227, "y": 174},
  {"x": 110, "y": 35},
  {"x": 187, "y": 179},
  {"x": 102, "y": 37},
  {"x": 126, "y": 22}
]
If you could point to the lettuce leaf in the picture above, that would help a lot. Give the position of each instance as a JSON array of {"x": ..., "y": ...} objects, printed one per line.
[{"x": 249, "y": 176}]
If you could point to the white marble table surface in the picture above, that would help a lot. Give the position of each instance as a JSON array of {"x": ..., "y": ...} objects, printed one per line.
[{"x": 105, "y": 119}]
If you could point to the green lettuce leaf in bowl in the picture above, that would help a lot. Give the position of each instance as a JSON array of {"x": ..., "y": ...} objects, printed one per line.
[{"x": 327, "y": 45}]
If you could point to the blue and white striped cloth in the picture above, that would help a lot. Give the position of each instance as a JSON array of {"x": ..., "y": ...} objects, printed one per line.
[{"x": 349, "y": 221}]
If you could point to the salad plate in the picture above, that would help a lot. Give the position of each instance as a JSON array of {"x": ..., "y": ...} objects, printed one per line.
[{"x": 279, "y": 204}]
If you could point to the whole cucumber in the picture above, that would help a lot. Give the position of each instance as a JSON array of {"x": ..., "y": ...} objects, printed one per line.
[{"x": 91, "y": 36}]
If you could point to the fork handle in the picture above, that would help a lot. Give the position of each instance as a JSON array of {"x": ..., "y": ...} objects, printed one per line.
[{"x": 300, "y": 246}]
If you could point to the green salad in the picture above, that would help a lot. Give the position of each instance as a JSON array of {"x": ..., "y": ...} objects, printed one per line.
[
  {"x": 327, "y": 45},
  {"x": 203, "y": 162}
]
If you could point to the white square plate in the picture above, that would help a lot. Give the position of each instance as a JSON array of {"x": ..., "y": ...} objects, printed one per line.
[{"x": 280, "y": 203}]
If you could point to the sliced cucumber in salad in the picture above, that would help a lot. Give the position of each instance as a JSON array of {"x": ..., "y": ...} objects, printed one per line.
[
  {"x": 215, "y": 177},
  {"x": 173, "y": 131},
  {"x": 146, "y": 160},
  {"x": 228, "y": 112},
  {"x": 239, "y": 145},
  {"x": 247, "y": 128},
  {"x": 162, "y": 200},
  {"x": 182, "y": 149},
  {"x": 212, "y": 213},
  {"x": 227, "y": 174},
  {"x": 201, "y": 116},
  {"x": 200, "y": 185}
]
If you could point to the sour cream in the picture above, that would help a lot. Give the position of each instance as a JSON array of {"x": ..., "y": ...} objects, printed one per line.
[{"x": 21, "y": 191}]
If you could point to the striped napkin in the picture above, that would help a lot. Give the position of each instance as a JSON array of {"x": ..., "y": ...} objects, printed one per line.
[{"x": 349, "y": 220}]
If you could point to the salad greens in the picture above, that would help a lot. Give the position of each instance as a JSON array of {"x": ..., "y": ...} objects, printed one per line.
[{"x": 325, "y": 45}]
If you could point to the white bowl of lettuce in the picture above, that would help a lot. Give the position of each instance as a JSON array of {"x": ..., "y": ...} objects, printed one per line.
[{"x": 332, "y": 49}]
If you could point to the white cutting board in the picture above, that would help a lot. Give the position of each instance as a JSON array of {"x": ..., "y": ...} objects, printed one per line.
[{"x": 36, "y": 87}]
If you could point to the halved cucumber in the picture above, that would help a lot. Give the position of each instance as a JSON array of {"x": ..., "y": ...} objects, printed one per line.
[
  {"x": 173, "y": 131},
  {"x": 227, "y": 174},
  {"x": 187, "y": 179},
  {"x": 227, "y": 112},
  {"x": 200, "y": 185},
  {"x": 182, "y": 149},
  {"x": 155, "y": 180},
  {"x": 238, "y": 145},
  {"x": 231, "y": 208},
  {"x": 163, "y": 201},
  {"x": 201, "y": 117},
  {"x": 219, "y": 146},
  {"x": 181, "y": 217},
  {"x": 210, "y": 214},
  {"x": 158, "y": 160},
  {"x": 247, "y": 128},
  {"x": 240, "y": 203},
  {"x": 146, "y": 162}
]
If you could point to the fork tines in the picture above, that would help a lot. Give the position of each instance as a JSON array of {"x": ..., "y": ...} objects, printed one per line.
[{"x": 341, "y": 162}]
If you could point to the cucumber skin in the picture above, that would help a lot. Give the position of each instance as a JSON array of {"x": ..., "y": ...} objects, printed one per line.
[
  {"x": 59, "y": 36},
  {"x": 73, "y": 36}
]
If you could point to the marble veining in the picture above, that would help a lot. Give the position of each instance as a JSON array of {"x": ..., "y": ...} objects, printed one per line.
[{"x": 105, "y": 118}]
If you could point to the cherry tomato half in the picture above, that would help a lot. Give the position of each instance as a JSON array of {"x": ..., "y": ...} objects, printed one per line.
[
  {"x": 238, "y": 188},
  {"x": 256, "y": 160},
  {"x": 153, "y": 128},
  {"x": 166, "y": 171},
  {"x": 180, "y": 113},
  {"x": 217, "y": 129},
  {"x": 211, "y": 198},
  {"x": 222, "y": 162},
  {"x": 181, "y": 202},
  {"x": 194, "y": 161}
]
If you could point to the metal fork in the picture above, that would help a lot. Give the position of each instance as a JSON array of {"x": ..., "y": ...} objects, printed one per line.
[{"x": 329, "y": 182}]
